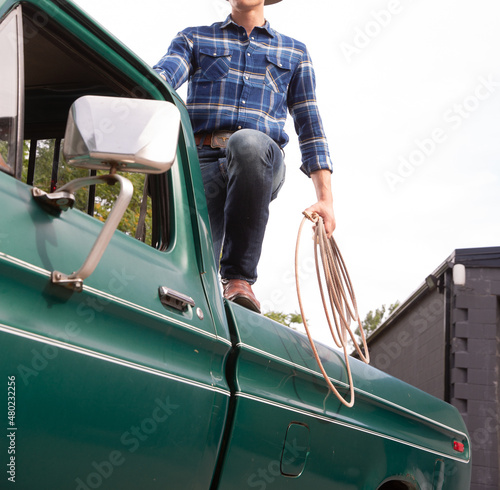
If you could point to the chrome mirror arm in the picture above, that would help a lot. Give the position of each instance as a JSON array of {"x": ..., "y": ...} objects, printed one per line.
[{"x": 63, "y": 198}]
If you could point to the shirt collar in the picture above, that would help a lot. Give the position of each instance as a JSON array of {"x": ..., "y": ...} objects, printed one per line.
[{"x": 266, "y": 27}]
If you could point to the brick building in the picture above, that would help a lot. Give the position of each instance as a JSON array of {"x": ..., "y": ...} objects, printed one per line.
[{"x": 444, "y": 339}]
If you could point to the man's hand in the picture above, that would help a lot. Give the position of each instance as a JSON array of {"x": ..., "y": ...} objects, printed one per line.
[{"x": 324, "y": 207}]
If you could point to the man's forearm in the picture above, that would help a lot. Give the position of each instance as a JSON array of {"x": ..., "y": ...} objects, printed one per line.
[{"x": 322, "y": 180}]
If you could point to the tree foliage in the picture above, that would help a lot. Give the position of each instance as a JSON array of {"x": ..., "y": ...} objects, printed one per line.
[
  {"x": 287, "y": 319},
  {"x": 105, "y": 195},
  {"x": 374, "y": 319}
]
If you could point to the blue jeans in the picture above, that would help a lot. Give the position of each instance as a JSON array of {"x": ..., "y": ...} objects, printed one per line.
[{"x": 240, "y": 182}]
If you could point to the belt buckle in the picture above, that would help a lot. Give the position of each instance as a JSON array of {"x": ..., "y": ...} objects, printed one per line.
[{"x": 220, "y": 138}]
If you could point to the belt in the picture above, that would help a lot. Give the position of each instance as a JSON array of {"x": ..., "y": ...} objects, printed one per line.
[{"x": 217, "y": 139}]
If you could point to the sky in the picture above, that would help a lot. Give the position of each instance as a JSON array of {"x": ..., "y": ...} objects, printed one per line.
[{"x": 409, "y": 93}]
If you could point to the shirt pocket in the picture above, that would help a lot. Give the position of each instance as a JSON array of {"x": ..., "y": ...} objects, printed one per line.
[
  {"x": 214, "y": 63},
  {"x": 278, "y": 73}
]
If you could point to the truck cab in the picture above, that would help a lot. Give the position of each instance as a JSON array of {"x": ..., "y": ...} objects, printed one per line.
[{"x": 134, "y": 372}]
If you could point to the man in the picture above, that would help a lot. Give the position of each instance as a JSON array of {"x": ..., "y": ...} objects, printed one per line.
[{"x": 243, "y": 76}]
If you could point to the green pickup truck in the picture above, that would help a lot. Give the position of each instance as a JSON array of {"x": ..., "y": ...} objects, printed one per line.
[{"x": 122, "y": 366}]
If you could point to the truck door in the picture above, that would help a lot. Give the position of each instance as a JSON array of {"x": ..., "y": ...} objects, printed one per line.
[{"x": 115, "y": 386}]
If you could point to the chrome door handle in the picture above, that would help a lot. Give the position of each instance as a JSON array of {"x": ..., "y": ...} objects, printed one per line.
[{"x": 174, "y": 299}]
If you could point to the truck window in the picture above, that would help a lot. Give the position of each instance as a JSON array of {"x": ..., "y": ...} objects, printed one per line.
[
  {"x": 9, "y": 91},
  {"x": 58, "y": 68},
  {"x": 44, "y": 167}
]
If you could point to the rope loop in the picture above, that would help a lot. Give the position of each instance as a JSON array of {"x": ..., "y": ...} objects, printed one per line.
[{"x": 342, "y": 300}]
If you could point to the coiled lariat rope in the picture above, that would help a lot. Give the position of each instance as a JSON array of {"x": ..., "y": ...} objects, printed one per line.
[{"x": 342, "y": 299}]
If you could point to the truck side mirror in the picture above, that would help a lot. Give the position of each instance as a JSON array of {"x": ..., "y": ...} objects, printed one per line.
[
  {"x": 115, "y": 134},
  {"x": 135, "y": 135}
]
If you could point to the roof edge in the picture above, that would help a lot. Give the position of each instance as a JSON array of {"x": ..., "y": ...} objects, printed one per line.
[{"x": 421, "y": 291}]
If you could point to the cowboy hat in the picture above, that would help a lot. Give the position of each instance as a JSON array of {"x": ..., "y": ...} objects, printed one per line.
[{"x": 270, "y": 2}]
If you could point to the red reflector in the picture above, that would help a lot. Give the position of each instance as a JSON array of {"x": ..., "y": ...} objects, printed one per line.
[{"x": 458, "y": 446}]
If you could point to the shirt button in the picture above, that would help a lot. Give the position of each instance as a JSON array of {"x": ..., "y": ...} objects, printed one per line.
[
  {"x": 243, "y": 102},
  {"x": 239, "y": 127},
  {"x": 248, "y": 54},
  {"x": 246, "y": 77}
]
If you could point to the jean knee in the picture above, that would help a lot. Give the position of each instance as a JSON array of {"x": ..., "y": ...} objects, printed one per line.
[{"x": 246, "y": 144}]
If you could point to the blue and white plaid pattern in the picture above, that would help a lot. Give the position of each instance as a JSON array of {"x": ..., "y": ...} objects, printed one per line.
[{"x": 236, "y": 82}]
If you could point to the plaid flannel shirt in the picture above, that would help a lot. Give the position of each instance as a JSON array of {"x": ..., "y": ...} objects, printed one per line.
[{"x": 237, "y": 81}]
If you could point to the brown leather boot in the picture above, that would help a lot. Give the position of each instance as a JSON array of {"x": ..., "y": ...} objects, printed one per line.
[{"x": 240, "y": 292}]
